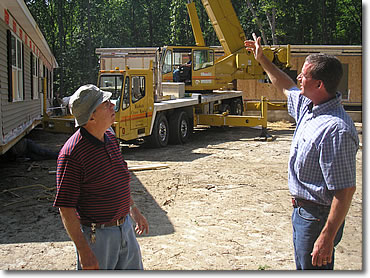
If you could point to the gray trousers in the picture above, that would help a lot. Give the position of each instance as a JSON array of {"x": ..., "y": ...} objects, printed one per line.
[{"x": 115, "y": 247}]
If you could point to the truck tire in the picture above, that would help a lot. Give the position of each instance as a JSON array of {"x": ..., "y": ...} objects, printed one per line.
[
  {"x": 180, "y": 128},
  {"x": 237, "y": 107},
  {"x": 160, "y": 133}
]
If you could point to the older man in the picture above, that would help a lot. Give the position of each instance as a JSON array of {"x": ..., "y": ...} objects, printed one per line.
[{"x": 93, "y": 191}]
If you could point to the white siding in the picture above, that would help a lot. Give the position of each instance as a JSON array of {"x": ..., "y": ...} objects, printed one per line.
[
  {"x": 15, "y": 117},
  {"x": 3, "y": 75}
]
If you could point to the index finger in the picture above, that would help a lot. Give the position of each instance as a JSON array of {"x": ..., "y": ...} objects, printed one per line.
[
  {"x": 314, "y": 259},
  {"x": 254, "y": 37}
]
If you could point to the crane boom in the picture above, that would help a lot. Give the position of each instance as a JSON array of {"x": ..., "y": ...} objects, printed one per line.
[
  {"x": 226, "y": 24},
  {"x": 197, "y": 31}
]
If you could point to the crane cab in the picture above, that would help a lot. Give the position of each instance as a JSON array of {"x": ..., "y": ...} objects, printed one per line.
[{"x": 192, "y": 65}]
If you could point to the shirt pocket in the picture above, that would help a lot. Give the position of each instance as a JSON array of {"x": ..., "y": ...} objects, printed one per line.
[{"x": 307, "y": 163}]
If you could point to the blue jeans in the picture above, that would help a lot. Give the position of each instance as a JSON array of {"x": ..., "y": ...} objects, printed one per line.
[
  {"x": 307, "y": 225},
  {"x": 115, "y": 247}
]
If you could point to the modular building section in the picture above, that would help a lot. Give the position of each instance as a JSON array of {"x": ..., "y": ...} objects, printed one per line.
[
  {"x": 350, "y": 86},
  {"x": 133, "y": 57},
  {"x": 26, "y": 73}
]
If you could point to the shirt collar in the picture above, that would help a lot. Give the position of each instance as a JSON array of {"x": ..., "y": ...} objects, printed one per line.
[
  {"x": 93, "y": 139},
  {"x": 323, "y": 108}
]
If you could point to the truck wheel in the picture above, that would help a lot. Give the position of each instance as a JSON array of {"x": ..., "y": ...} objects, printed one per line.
[
  {"x": 159, "y": 137},
  {"x": 180, "y": 128},
  {"x": 237, "y": 107}
]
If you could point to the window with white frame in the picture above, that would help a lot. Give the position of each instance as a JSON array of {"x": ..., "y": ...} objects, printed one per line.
[
  {"x": 17, "y": 68},
  {"x": 35, "y": 76},
  {"x": 41, "y": 76}
]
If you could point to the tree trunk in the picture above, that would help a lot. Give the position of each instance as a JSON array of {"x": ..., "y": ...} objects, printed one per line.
[
  {"x": 62, "y": 47},
  {"x": 272, "y": 23},
  {"x": 324, "y": 27},
  {"x": 133, "y": 23},
  {"x": 90, "y": 66},
  {"x": 258, "y": 22},
  {"x": 150, "y": 22}
]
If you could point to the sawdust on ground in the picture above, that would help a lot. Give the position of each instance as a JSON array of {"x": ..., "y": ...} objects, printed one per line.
[{"x": 220, "y": 203}]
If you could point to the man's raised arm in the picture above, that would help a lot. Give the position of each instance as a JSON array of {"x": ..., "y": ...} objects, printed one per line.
[{"x": 279, "y": 79}]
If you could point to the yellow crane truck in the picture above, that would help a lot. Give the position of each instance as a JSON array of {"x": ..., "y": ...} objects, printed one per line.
[
  {"x": 155, "y": 105},
  {"x": 152, "y": 105}
]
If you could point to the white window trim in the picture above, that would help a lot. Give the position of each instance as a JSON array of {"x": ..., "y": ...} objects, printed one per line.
[
  {"x": 17, "y": 69},
  {"x": 35, "y": 76}
]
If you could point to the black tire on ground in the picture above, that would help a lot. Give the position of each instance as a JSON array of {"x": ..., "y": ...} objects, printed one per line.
[
  {"x": 160, "y": 133},
  {"x": 180, "y": 128}
]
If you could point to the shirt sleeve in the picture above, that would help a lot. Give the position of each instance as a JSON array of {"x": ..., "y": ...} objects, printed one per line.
[
  {"x": 297, "y": 103},
  {"x": 68, "y": 179},
  {"x": 338, "y": 160},
  {"x": 293, "y": 102}
]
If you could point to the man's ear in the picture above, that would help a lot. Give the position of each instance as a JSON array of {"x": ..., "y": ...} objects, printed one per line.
[{"x": 92, "y": 117}]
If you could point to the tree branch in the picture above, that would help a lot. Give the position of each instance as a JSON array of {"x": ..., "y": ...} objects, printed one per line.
[{"x": 257, "y": 21}]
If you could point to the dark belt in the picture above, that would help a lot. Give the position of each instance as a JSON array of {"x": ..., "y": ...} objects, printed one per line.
[
  {"x": 306, "y": 203},
  {"x": 117, "y": 222}
]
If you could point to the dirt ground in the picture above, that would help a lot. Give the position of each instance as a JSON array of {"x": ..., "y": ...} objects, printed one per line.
[{"x": 221, "y": 203}]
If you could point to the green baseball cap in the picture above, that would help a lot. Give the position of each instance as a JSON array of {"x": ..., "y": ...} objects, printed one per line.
[{"x": 84, "y": 102}]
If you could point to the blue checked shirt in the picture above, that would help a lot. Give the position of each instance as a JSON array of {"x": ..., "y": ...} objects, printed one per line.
[{"x": 323, "y": 150}]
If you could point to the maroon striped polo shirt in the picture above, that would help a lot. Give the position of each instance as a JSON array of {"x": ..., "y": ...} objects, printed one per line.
[{"x": 93, "y": 178}]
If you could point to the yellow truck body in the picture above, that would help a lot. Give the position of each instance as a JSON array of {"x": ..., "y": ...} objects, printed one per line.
[{"x": 170, "y": 115}]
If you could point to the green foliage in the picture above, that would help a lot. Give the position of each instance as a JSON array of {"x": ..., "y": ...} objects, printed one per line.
[
  {"x": 180, "y": 32},
  {"x": 75, "y": 28},
  {"x": 263, "y": 267}
]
